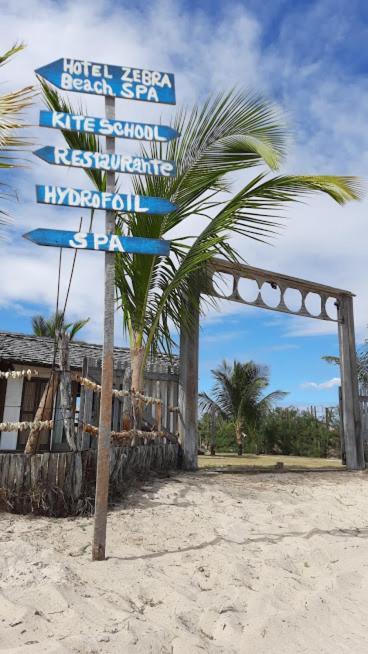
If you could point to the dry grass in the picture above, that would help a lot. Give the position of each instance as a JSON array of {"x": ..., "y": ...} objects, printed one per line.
[{"x": 266, "y": 461}]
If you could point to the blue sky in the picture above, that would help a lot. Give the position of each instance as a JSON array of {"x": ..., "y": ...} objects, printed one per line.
[{"x": 311, "y": 58}]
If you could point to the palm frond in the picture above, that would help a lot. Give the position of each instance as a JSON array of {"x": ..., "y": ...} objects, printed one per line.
[{"x": 76, "y": 140}]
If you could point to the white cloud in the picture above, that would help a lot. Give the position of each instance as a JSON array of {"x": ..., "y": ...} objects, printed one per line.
[
  {"x": 321, "y": 241},
  {"x": 322, "y": 386}
]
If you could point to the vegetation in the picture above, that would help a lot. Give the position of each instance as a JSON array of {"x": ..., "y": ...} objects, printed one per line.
[
  {"x": 231, "y": 132},
  {"x": 362, "y": 365},
  {"x": 286, "y": 431},
  {"x": 238, "y": 396},
  {"x": 11, "y": 107},
  {"x": 56, "y": 324}
]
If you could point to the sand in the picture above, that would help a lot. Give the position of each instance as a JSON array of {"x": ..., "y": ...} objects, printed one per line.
[{"x": 197, "y": 563}]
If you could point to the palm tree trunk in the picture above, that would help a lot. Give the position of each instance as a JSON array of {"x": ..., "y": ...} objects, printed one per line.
[
  {"x": 239, "y": 438},
  {"x": 137, "y": 357}
]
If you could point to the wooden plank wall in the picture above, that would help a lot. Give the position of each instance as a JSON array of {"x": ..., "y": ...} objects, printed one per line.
[
  {"x": 161, "y": 380},
  {"x": 63, "y": 483}
]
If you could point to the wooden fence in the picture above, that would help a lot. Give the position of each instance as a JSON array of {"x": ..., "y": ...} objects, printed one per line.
[
  {"x": 363, "y": 399},
  {"x": 161, "y": 381},
  {"x": 63, "y": 483}
]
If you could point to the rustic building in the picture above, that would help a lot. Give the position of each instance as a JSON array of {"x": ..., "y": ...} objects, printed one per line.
[{"x": 20, "y": 396}]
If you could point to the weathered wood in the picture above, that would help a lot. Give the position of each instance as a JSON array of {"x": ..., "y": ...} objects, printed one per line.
[
  {"x": 349, "y": 383},
  {"x": 59, "y": 483},
  {"x": 44, "y": 412},
  {"x": 188, "y": 394},
  {"x": 103, "y": 452},
  {"x": 66, "y": 392}
]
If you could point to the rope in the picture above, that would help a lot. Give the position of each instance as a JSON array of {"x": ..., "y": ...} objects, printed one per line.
[
  {"x": 72, "y": 270},
  {"x": 146, "y": 399},
  {"x": 17, "y": 374},
  {"x": 129, "y": 437},
  {"x": 23, "y": 426}
]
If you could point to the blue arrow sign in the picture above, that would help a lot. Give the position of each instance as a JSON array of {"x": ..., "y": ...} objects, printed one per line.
[
  {"x": 75, "y": 197},
  {"x": 105, "y": 127},
  {"x": 116, "y": 81},
  {"x": 103, "y": 242},
  {"x": 121, "y": 163}
]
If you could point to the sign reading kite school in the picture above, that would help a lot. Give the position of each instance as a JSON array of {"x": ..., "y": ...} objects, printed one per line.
[
  {"x": 116, "y": 81},
  {"x": 75, "y": 197},
  {"x": 95, "y": 241},
  {"x": 106, "y": 127},
  {"x": 120, "y": 163}
]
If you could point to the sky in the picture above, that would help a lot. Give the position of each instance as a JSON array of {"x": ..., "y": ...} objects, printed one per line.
[{"x": 310, "y": 58}]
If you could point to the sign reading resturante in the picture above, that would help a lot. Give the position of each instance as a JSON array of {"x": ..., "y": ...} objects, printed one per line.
[
  {"x": 120, "y": 163},
  {"x": 104, "y": 79}
]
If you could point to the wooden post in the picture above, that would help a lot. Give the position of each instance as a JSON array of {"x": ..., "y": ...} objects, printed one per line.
[
  {"x": 188, "y": 395},
  {"x": 349, "y": 386},
  {"x": 213, "y": 431},
  {"x": 103, "y": 454},
  {"x": 125, "y": 422},
  {"x": 66, "y": 391}
]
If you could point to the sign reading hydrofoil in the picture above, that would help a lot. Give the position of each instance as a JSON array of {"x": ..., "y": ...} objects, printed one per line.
[
  {"x": 104, "y": 242},
  {"x": 75, "y": 197},
  {"x": 120, "y": 163},
  {"x": 116, "y": 81}
]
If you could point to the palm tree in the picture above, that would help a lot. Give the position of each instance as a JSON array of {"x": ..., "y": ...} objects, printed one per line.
[
  {"x": 56, "y": 324},
  {"x": 231, "y": 132},
  {"x": 362, "y": 366},
  {"x": 11, "y": 107},
  {"x": 238, "y": 396}
]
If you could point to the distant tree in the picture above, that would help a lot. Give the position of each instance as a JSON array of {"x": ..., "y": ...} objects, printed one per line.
[
  {"x": 11, "y": 107},
  {"x": 56, "y": 324},
  {"x": 299, "y": 433},
  {"x": 362, "y": 365},
  {"x": 238, "y": 396}
]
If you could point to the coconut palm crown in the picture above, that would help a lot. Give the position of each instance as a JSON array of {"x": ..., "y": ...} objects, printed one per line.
[
  {"x": 12, "y": 105},
  {"x": 238, "y": 395},
  {"x": 55, "y": 325},
  {"x": 229, "y": 133}
]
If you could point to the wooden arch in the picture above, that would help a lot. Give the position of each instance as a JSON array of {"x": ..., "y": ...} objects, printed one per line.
[{"x": 343, "y": 300}]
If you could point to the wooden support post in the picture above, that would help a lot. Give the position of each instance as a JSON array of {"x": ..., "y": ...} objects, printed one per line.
[
  {"x": 349, "y": 386},
  {"x": 66, "y": 391},
  {"x": 158, "y": 412},
  {"x": 103, "y": 454},
  {"x": 125, "y": 421},
  {"x": 188, "y": 395},
  {"x": 213, "y": 431}
]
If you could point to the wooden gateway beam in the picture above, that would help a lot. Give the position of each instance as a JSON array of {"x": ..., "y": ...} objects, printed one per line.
[{"x": 342, "y": 299}]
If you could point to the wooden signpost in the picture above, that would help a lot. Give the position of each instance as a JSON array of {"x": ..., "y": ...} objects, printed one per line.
[
  {"x": 104, "y": 242},
  {"x": 124, "y": 129},
  {"x": 119, "y": 163},
  {"x": 111, "y": 82},
  {"x": 114, "y": 81}
]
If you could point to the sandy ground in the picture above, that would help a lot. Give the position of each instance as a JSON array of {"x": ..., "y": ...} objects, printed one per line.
[{"x": 197, "y": 563}]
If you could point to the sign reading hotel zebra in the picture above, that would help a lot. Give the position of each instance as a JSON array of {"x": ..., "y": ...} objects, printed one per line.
[
  {"x": 116, "y": 81},
  {"x": 112, "y": 82}
]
